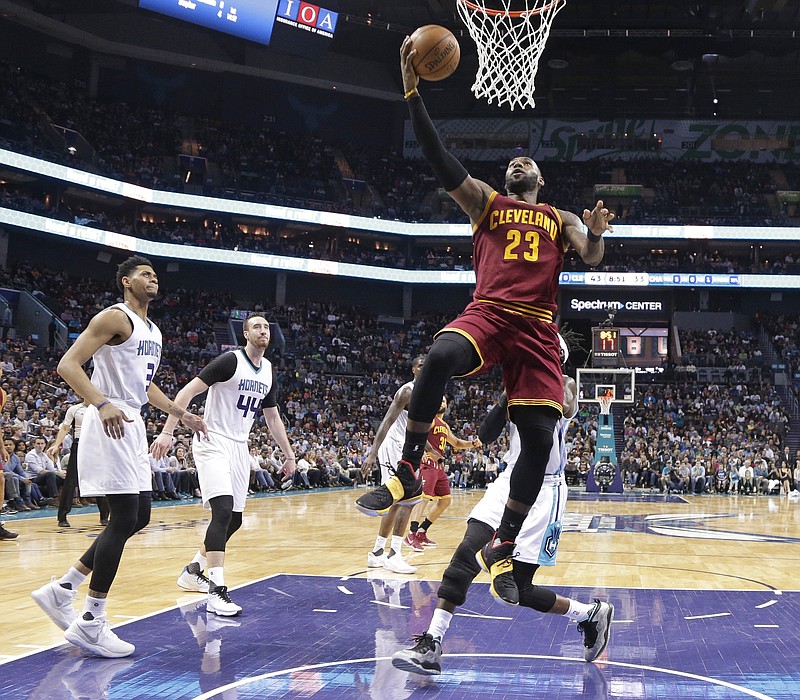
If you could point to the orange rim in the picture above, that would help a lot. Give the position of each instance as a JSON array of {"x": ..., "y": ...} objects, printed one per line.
[{"x": 512, "y": 13}]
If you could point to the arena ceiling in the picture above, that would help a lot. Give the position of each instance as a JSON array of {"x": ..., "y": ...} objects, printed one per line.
[{"x": 604, "y": 58}]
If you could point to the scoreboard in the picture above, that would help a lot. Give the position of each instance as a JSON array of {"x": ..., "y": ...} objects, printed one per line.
[{"x": 606, "y": 347}]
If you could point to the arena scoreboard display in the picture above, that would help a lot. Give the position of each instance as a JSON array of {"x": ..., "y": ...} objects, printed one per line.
[
  {"x": 291, "y": 25},
  {"x": 605, "y": 347}
]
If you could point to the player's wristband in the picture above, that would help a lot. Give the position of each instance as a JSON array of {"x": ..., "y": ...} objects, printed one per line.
[
  {"x": 411, "y": 93},
  {"x": 100, "y": 405},
  {"x": 593, "y": 237}
]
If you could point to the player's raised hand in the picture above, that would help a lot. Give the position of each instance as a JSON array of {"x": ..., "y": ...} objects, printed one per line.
[
  {"x": 410, "y": 77},
  {"x": 599, "y": 219}
]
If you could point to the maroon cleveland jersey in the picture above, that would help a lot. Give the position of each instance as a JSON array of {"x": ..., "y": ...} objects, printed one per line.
[
  {"x": 437, "y": 436},
  {"x": 518, "y": 256}
]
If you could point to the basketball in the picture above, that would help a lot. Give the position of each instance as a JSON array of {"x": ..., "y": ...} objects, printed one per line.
[{"x": 438, "y": 52}]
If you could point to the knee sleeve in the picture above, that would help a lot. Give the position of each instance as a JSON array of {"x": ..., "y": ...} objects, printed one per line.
[
  {"x": 143, "y": 515},
  {"x": 535, "y": 597},
  {"x": 535, "y": 425},
  {"x": 451, "y": 355},
  {"x": 235, "y": 524},
  {"x": 463, "y": 568},
  {"x": 217, "y": 531}
]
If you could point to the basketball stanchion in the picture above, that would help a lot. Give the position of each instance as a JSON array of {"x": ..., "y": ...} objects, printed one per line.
[{"x": 510, "y": 36}]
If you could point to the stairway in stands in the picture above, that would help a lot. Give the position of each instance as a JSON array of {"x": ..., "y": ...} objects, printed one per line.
[{"x": 222, "y": 335}]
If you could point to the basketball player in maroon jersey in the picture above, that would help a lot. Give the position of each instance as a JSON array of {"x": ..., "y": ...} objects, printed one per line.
[
  {"x": 519, "y": 247},
  {"x": 436, "y": 485}
]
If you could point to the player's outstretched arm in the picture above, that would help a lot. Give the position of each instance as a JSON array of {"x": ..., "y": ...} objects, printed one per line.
[
  {"x": 163, "y": 442},
  {"x": 469, "y": 193},
  {"x": 160, "y": 400},
  {"x": 495, "y": 421},
  {"x": 458, "y": 444},
  {"x": 589, "y": 245}
]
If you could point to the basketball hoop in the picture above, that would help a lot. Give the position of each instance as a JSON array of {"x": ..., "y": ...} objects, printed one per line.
[
  {"x": 510, "y": 43},
  {"x": 605, "y": 404}
]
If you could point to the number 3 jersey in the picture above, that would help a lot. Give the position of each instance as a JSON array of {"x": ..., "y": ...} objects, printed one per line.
[
  {"x": 123, "y": 372},
  {"x": 238, "y": 391},
  {"x": 518, "y": 256}
]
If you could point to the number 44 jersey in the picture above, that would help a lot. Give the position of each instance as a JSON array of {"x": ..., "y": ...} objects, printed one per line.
[{"x": 238, "y": 392}]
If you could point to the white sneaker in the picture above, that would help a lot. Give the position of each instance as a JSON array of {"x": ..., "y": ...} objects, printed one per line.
[
  {"x": 96, "y": 637},
  {"x": 375, "y": 561},
  {"x": 56, "y": 601},
  {"x": 220, "y": 603},
  {"x": 396, "y": 563},
  {"x": 192, "y": 579}
]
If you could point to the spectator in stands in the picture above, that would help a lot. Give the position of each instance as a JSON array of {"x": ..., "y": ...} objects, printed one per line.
[
  {"x": 41, "y": 470},
  {"x": 698, "y": 477},
  {"x": 184, "y": 472},
  {"x": 164, "y": 488}
]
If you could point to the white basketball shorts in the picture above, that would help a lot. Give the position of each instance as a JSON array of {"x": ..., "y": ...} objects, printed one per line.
[
  {"x": 389, "y": 454},
  {"x": 108, "y": 466},
  {"x": 223, "y": 468},
  {"x": 537, "y": 542}
]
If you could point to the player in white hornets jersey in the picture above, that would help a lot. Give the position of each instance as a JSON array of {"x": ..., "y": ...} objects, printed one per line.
[
  {"x": 125, "y": 346},
  {"x": 387, "y": 448},
  {"x": 240, "y": 384},
  {"x": 535, "y": 546}
]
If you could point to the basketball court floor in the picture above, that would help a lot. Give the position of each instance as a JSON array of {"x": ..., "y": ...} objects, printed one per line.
[{"x": 705, "y": 591}]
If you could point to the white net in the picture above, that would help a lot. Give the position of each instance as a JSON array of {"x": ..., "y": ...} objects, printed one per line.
[
  {"x": 605, "y": 405},
  {"x": 510, "y": 36}
]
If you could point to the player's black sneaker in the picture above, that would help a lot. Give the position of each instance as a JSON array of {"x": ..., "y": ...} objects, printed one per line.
[
  {"x": 425, "y": 657},
  {"x": 404, "y": 486},
  {"x": 495, "y": 559},
  {"x": 596, "y": 630}
]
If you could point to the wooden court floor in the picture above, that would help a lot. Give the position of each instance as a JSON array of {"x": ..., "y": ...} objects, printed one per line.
[{"x": 637, "y": 540}]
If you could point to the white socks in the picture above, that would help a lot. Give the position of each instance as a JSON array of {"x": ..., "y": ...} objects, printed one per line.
[
  {"x": 439, "y": 623},
  {"x": 578, "y": 612},
  {"x": 216, "y": 576},
  {"x": 73, "y": 577},
  {"x": 380, "y": 543},
  {"x": 200, "y": 559},
  {"x": 94, "y": 606}
]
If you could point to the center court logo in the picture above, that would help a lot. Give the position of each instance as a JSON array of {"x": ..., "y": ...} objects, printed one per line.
[{"x": 695, "y": 526}]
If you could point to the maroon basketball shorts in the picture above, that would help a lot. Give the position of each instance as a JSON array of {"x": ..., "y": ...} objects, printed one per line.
[
  {"x": 525, "y": 347},
  {"x": 435, "y": 483}
]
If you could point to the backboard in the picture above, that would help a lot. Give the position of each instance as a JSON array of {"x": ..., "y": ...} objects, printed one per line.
[{"x": 619, "y": 384}]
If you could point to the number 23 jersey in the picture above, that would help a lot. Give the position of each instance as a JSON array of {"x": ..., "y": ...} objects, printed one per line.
[
  {"x": 238, "y": 392},
  {"x": 518, "y": 255}
]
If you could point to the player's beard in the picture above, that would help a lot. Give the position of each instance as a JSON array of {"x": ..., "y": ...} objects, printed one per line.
[{"x": 522, "y": 185}]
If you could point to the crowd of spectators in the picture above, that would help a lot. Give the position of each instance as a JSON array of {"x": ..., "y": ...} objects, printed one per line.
[
  {"x": 259, "y": 162},
  {"x": 338, "y": 373}
]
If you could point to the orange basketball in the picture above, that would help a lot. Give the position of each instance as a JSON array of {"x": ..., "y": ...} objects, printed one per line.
[{"x": 438, "y": 52}]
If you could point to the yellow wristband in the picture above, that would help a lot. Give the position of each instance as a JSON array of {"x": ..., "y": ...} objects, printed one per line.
[{"x": 410, "y": 94}]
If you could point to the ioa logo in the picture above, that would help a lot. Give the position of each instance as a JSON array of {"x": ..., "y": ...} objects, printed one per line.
[{"x": 304, "y": 15}]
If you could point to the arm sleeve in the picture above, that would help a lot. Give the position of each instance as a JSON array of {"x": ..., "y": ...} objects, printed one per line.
[
  {"x": 271, "y": 399},
  {"x": 445, "y": 166},
  {"x": 493, "y": 424},
  {"x": 220, "y": 369}
]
